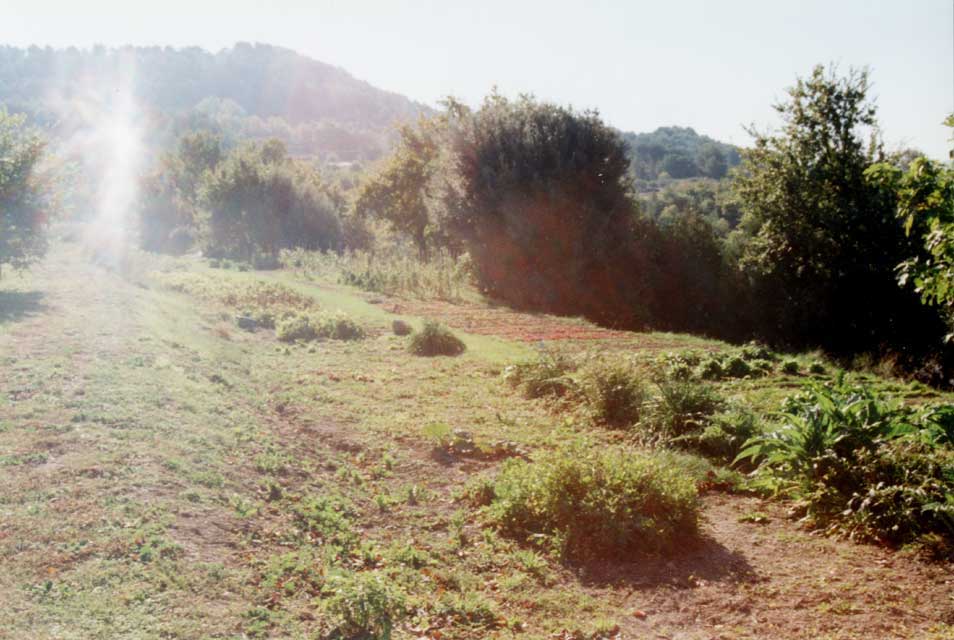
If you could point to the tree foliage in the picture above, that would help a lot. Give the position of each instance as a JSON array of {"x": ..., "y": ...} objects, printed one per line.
[
  {"x": 824, "y": 241},
  {"x": 405, "y": 189},
  {"x": 925, "y": 194},
  {"x": 253, "y": 200},
  {"x": 26, "y": 193},
  {"x": 679, "y": 152},
  {"x": 260, "y": 201},
  {"x": 543, "y": 205},
  {"x": 169, "y": 202}
]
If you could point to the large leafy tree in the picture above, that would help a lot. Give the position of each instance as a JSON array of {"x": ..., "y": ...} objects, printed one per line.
[
  {"x": 405, "y": 189},
  {"x": 258, "y": 201},
  {"x": 169, "y": 195},
  {"x": 926, "y": 206},
  {"x": 543, "y": 205},
  {"x": 26, "y": 193},
  {"x": 824, "y": 241}
]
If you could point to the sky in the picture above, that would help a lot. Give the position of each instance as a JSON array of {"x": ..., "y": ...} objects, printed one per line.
[{"x": 715, "y": 66}]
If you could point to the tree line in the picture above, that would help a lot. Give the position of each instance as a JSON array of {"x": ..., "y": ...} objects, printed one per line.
[{"x": 819, "y": 238}]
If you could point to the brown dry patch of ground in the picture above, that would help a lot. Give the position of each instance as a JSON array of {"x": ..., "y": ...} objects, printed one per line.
[
  {"x": 502, "y": 322},
  {"x": 771, "y": 579}
]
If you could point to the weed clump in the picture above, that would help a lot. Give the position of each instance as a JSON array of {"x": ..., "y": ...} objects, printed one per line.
[
  {"x": 862, "y": 463},
  {"x": 549, "y": 375},
  {"x": 595, "y": 503},
  {"x": 737, "y": 367},
  {"x": 790, "y": 367},
  {"x": 401, "y": 328},
  {"x": 305, "y": 327},
  {"x": 683, "y": 407},
  {"x": 723, "y": 436},
  {"x": 435, "y": 339},
  {"x": 614, "y": 395},
  {"x": 711, "y": 369},
  {"x": 366, "y": 605}
]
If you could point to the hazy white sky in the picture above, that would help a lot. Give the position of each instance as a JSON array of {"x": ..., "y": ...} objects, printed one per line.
[{"x": 715, "y": 66}]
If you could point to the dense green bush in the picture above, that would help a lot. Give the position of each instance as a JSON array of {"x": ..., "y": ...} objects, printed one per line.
[
  {"x": 401, "y": 328},
  {"x": 304, "y": 327},
  {"x": 548, "y": 375},
  {"x": 906, "y": 491},
  {"x": 614, "y": 394},
  {"x": 541, "y": 201},
  {"x": 861, "y": 462},
  {"x": 723, "y": 435},
  {"x": 435, "y": 339},
  {"x": 683, "y": 407},
  {"x": 790, "y": 367},
  {"x": 366, "y": 605},
  {"x": 737, "y": 367},
  {"x": 711, "y": 368},
  {"x": 596, "y": 502}
]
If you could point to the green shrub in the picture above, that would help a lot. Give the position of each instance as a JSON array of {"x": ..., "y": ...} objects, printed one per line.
[
  {"x": 614, "y": 395},
  {"x": 340, "y": 327},
  {"x": 326, "y": 520},
  {"x": 683, "y": 407},
  {"x": 755, "y": 351},
  {"x": 711, "y": 369},
  {"x": 723, "y": 436},
  {"x": 861, "y": 462},
  {"x": 401, "y": 328},
  {"x": 366, "y": 605},
  {"x": 737, "y": 367},
  {"x": 304, "y": 327},
  {"x": 790, "y": 367},
  {"x": 546, "y": 376},
  {"x": 296, "y": 328},
  {"x": 436, "y": 340},
  {"x": 907, "y": 493},
  {"x": 595, "y": 502},
  {"x": 679, "y": 366},
  {"x": 817, "y": 368},
  {"x": 762, "y": 366}
]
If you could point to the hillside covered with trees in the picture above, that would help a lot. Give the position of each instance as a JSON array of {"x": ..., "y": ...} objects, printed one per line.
[
  {"x": 248, "y": 91},
  {"x": 679, "y": 152}
]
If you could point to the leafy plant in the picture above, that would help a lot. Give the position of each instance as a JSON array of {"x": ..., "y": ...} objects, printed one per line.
[
  {"x": 435, "y": 340},
  {"x": 683, "y": 407},
  {"x": 614, "y": 395},
  {"x": 548, "y": 375},
  {"x": 860, "y": 462},
  {"x": 304, "y": 327},
  {"x": 366, "y": 605},
  {"x": 401, "y": 328},
  {"x": 595, "y": 502},
  {"x": 790, "y": 367}
]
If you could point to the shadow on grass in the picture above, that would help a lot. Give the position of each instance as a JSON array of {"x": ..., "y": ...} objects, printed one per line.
[
  {"x": 699, "y": 560},
  {"x": 16, "y": 305}
]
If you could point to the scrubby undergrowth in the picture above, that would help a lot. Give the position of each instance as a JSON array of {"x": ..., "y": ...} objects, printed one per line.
[{"x": 595, "y": 503}]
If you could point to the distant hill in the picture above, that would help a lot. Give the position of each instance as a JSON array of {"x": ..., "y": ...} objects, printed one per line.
[
  {"x": 679, "y": 152},
  {"x": 249, "y": 90}
]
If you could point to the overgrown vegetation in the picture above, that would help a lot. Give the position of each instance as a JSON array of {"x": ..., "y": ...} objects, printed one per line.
[
  {"x": 434, "y": 339},
  {"x": 27, "y": 196},
  {"x": 862, "y": 463},
  {"x": 590, "y": 503}
]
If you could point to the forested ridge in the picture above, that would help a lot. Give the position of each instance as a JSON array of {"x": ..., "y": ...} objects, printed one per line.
[{"x": 249, "y": 90}]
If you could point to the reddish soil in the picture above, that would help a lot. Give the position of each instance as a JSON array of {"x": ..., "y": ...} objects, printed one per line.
[{"x": 506, "y": 323}]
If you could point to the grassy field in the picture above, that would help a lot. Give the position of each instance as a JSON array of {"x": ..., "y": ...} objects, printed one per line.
[{"x": 167, "y": 474}]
